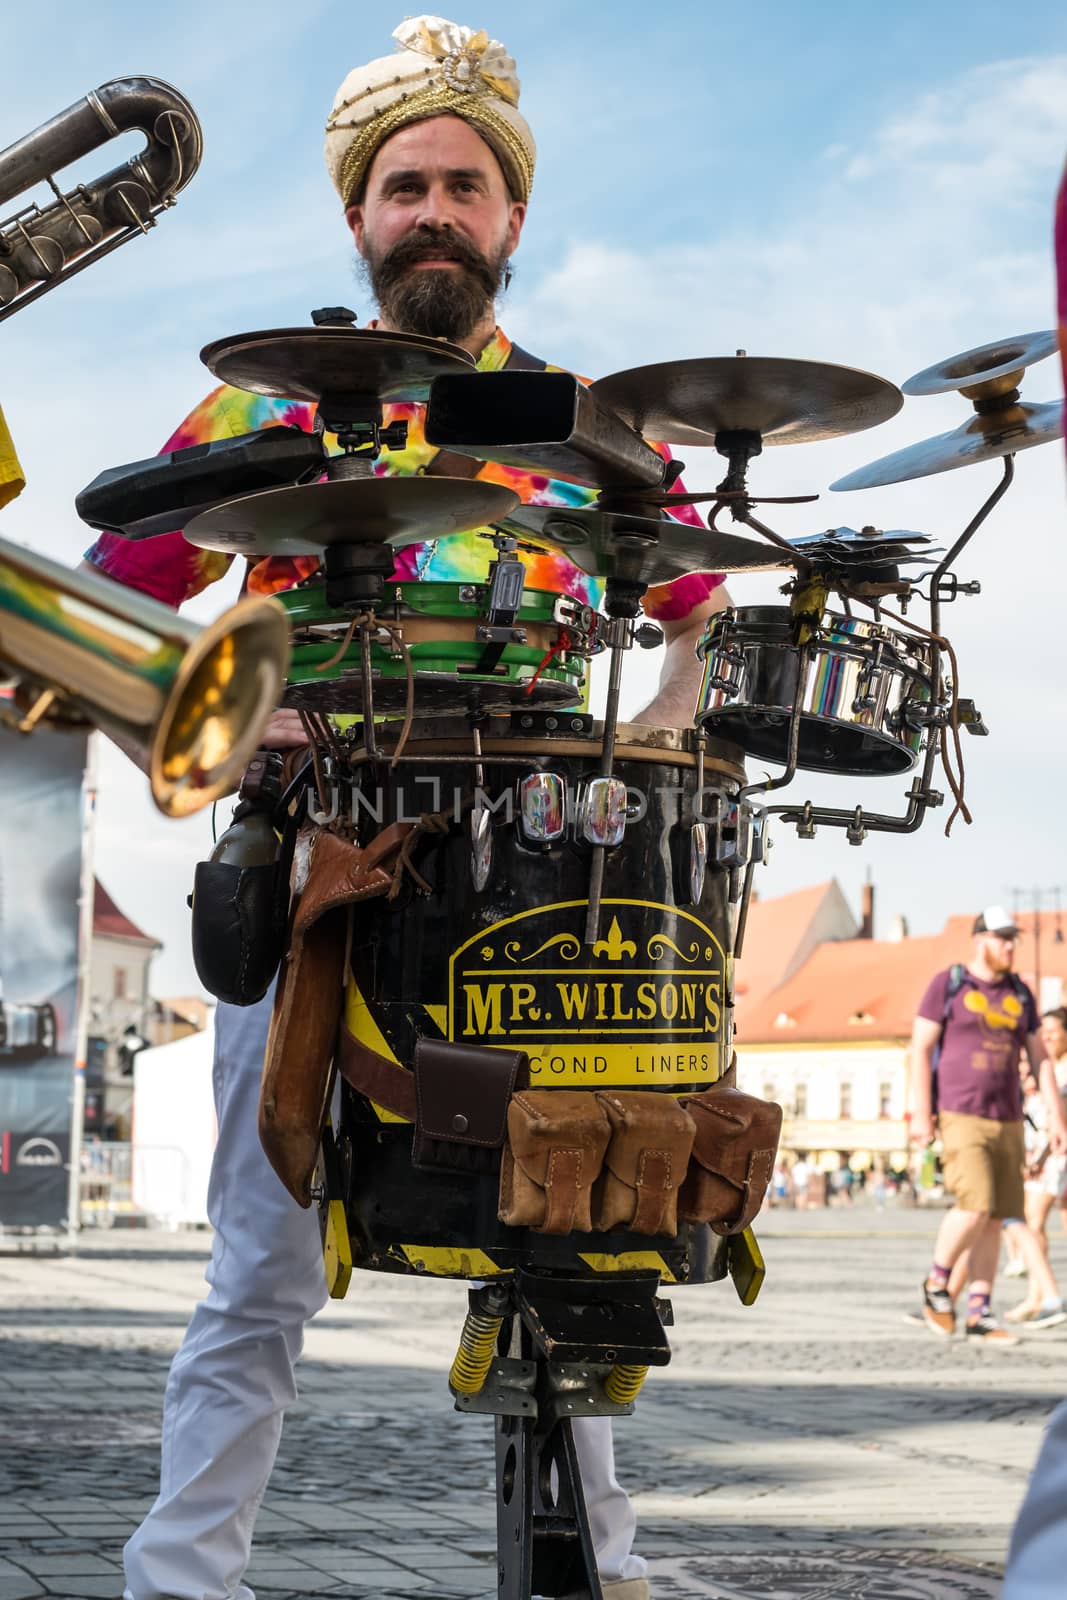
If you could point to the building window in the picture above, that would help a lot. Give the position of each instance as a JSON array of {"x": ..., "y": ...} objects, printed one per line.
[
  {"x": 119, "y": 989},
  {"x": 844, "y": 1109},
  {"x": 885, "y": 1099},
  {"x": 801, "y": 1099}
]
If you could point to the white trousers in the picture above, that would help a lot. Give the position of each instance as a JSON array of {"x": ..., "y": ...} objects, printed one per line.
[
  {"x": 232, "y": 1379},
  {"x": 1037, "y": 1560}
]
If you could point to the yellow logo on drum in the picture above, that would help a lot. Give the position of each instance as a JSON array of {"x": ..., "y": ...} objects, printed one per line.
[{"x": 645, "y": 1005}]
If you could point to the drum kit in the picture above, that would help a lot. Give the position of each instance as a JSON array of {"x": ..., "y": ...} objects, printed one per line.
[{"x": 566, "y": 897}]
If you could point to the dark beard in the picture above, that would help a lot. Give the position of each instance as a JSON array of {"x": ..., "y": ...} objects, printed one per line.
[{"x": 445, "y": 304}]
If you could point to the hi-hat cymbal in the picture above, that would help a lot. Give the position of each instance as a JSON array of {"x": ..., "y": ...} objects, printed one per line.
[
  {"x": 614, "y": 544},
  {"x": 785, "y": 402},
  {"x": 305, "y": 363},
  {"x": 304, "y": 520},
  {"x": 1003, "y": 358},
  {"x": 1000, "y": 433}
]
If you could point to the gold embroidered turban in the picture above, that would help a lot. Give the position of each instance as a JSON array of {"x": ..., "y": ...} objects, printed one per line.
[{"x": 439, "y": 69}]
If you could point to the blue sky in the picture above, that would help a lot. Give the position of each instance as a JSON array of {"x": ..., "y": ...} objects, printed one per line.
[{"x": 845, "y": 182}]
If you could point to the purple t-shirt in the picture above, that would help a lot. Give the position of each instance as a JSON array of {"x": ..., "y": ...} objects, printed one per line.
[{"x": 987, "y": 1027}]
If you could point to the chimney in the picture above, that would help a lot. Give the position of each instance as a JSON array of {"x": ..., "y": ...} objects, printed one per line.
[
  {"x": 898, "y": 929},
  {"x": 867, "y": 909}
]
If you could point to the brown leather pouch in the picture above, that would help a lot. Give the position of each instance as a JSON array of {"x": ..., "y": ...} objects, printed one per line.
[
  {"x": 733, "y": 1158},
  {"x": 646, "y": 1161},
  {"x": 556, "y": 1144},
  {"x": 297, "y": 1068},
  {"x": 461, "y": 1097}
]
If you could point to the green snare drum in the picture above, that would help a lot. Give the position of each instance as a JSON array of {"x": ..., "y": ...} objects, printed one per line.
[{"x": 442, "y": 627}]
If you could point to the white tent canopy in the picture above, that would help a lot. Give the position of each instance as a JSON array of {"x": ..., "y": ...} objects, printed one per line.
[{"x": 174, "y": 1129}]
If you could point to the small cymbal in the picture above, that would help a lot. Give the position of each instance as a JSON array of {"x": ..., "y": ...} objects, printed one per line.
[
  {"x": 1000, "y": 433},
  {"x": 304, "y": 520},
  {"x": 1003, "y": 358},
  {"x": 305, "y": 363},
  {"x": 784, "y": 401},
  {"x": 613, "y": 544}
]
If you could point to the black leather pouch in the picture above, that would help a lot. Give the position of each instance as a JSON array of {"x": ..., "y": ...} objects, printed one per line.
[
  {"x": 461, "y": 1096},
  {"x": 239, "y": 928}
]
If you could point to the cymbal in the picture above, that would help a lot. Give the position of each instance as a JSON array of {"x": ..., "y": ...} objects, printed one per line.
[
  {"x": 613, "y": 544},
  {"x": 305, "y": 363},
  {"x": 1000, "y": 433},
  {"x": 1003, "y": 358},
  {"x": 785, "y": 402},
  {"x": 304, "y": 520}
]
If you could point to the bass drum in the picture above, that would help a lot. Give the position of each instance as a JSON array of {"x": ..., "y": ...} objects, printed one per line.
[{"x": 646, "y": 1006}]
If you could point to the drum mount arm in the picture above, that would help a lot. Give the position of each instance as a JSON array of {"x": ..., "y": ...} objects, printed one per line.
[{"x": 921, "y": 797}]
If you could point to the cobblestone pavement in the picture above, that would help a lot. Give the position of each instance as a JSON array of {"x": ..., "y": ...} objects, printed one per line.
[{"x": 814, "y": 1446}]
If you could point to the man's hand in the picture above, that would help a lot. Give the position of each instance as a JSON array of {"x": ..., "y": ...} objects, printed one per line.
[
  {"x": 922, "y": 1128},
  {"x": 284, "y": 731}
]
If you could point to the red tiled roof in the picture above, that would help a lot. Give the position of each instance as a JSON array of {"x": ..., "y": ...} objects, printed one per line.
[
  {"x": 781, "y": 932},
  {"x": 108, "y": 919},
  {"x": 869, "y": 988}
]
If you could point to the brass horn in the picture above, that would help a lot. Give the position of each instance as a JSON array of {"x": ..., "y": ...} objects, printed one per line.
[{"x": 188, "y": 702}]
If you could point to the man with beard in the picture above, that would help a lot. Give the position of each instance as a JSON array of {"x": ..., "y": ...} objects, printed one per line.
[{"x": 433, "y": 163}]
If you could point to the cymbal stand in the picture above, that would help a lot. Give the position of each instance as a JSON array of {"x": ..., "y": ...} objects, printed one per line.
[
  {"x": 921, "y": 797},
  {"x": 356, "y": 572},
  {"x": 739, "y": 446},
  {"x": 602, "y": 820}
]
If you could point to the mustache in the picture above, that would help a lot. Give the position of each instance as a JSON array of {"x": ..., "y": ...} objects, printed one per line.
[{"x": 431, "y": 244}]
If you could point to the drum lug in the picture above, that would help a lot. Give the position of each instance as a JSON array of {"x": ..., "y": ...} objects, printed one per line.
[
  {"x": 726, "y": 670},
  {"x": 602, "y": 811},
  {"x": 481, "y": 829},
  {"x": 542, "y": 807},
  {"x": 698, "y": 861},
  {"x": 735, "y": 832}
]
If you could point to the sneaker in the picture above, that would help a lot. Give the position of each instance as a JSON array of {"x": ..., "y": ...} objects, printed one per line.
[
  {"x": 1023, "y": 1312},
  {"x": 938, "y": 1312},
  {"x": 1049, "y": 1316},
  {"x": 1016, "y": 1268},
  {"x": 988, "y": 1330}
]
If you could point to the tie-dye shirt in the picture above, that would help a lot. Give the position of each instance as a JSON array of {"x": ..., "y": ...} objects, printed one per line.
[{"x": 171, "y": 570}]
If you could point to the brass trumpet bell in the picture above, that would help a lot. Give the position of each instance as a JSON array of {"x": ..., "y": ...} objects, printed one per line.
[{"x": 188, "y": 702}]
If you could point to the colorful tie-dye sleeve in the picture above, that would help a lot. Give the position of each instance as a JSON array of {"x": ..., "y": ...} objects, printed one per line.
[{"x": 166, "y": 567}]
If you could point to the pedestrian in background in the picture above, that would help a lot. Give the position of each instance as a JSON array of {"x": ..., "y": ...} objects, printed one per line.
[{"x": 973, "y": 1023}]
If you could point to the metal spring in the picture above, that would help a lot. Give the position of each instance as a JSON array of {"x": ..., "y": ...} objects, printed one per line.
[
  {"x": 623, "y": 1384},
  {"x": 477, "y": 1347}
]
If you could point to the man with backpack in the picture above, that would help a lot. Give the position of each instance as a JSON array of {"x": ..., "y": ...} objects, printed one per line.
[{"x": 973, "y": 1023}]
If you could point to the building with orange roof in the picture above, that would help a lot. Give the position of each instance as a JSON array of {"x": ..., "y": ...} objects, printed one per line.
[
  {"x": 119, "y": 1010},
  {"x": 829, "y": 1039}
]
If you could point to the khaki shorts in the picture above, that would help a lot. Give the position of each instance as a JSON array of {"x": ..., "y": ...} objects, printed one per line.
[{"x": 983, "y": 1163}]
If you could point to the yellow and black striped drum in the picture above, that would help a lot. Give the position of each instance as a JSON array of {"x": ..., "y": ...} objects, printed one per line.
[
  {"x": 645, "y": 1006},
  {"x": 437, "y": 633}
]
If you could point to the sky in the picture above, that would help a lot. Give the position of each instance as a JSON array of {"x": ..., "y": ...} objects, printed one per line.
[{"x": 846, "y": 183}]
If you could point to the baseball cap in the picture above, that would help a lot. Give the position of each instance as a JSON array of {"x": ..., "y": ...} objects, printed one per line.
[{"x": 994, "y": 919}]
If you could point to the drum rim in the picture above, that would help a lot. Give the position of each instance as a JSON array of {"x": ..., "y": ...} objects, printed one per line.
[{"x": 756, "y": 617}]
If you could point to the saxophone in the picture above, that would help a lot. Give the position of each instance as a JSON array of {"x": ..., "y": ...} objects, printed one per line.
[{"x": 42, "y": 247}]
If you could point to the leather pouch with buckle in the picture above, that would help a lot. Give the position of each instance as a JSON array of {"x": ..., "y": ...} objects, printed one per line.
[
  {"x": 646, "y": 1161},
  {"x": 461, "y": 1097},
  {"x": 555, "y": 1149},
  {"x": 733, "y": 1158},
  {"x": 298, "y": 1067}
]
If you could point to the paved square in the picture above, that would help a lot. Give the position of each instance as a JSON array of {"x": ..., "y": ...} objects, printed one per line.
[{"x": 813, "y": 1447}]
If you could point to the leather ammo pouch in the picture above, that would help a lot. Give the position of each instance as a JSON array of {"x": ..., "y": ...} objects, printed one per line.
[
  {"x": 733, "y": 1158},
  {"x": 297, "y": 1070},
  {"x": 646, "y": 1161},
  {"x": 556, "y": 1144},
  {"x": 461, "y": 1104}
]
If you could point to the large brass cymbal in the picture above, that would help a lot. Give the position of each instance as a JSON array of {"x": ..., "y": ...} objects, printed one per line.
[
  {"x": 614, "y": 544},
  {"x": 985, "y": 367},
  {"x": 304, "y": 520},
  {"x": 981, "y": 438},
  {"x": 784, "y": 401},
  {"x": 305, "y": 363}
]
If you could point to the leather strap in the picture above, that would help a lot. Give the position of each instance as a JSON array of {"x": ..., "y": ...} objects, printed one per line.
[
  {"x": 563, "y": 1182},
  {"x": 653, "y": 1188},
  {"x": 385, "y": 1082}
]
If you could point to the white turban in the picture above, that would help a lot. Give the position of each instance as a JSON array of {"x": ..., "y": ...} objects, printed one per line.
[{"x": 440, "y": 69}]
